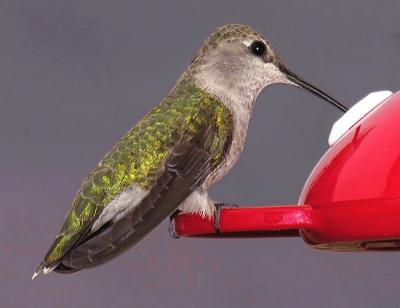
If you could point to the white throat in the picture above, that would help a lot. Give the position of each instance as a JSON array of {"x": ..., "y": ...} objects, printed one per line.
[
  {"x": 237, "y": 98},
  {"x": 234, "y": 86}
]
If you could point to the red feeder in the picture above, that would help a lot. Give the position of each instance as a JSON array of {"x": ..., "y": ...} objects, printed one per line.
[{"x": 351, "y": 200}]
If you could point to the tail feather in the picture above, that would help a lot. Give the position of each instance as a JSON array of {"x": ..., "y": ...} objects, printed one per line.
[{"x": 42, "y": 269}]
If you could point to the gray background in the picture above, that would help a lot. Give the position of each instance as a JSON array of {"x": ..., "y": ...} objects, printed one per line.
[{"x": 75, "y": 75}]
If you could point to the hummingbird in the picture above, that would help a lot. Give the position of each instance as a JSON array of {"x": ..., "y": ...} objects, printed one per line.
[{"x": 168, "y": 160}]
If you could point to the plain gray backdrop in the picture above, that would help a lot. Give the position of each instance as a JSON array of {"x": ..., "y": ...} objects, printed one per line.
[{"x": 76, "y": 75}]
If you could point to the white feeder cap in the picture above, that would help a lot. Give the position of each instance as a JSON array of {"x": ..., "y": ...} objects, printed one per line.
[{"x": 356, "y": 113}]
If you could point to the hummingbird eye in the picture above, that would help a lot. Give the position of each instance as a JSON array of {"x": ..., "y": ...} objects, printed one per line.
[{"x": 258, "y": 48}]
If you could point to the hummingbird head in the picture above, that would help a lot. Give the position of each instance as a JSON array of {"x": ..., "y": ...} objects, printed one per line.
[{"x": 236, "y": 63}]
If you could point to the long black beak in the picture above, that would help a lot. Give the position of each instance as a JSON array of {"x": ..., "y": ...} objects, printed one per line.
[{"x": 310, "y": 88}]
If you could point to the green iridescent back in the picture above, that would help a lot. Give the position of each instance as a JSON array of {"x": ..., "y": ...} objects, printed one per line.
[{"x": 138, "y": 158}]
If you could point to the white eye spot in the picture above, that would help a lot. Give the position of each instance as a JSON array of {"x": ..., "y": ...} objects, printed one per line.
[{"x": 247, "y": 43}]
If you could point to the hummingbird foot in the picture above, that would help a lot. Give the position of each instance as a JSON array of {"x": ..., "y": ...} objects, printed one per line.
[
  {"x": 217, "y": 216},
  {"x": 171, "y": 227}
]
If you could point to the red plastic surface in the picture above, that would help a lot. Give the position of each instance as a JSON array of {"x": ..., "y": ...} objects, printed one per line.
[
  {"x": 247, "y": 221},
  {"x": 350, "y": 201}
]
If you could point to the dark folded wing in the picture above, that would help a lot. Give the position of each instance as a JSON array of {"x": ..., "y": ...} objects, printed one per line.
[{"x": 185, "y": 169}]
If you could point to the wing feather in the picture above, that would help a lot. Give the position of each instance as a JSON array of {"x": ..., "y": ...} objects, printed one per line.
[
  {"x": 185, "y": 169},
  {"x": 164, "y": 154}
]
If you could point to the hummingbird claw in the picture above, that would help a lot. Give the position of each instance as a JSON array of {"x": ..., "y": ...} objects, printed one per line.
[{"x": 217, "y": 217}]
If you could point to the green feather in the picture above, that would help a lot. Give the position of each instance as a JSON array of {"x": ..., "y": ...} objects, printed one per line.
[{"x": 138, "y": 157}]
